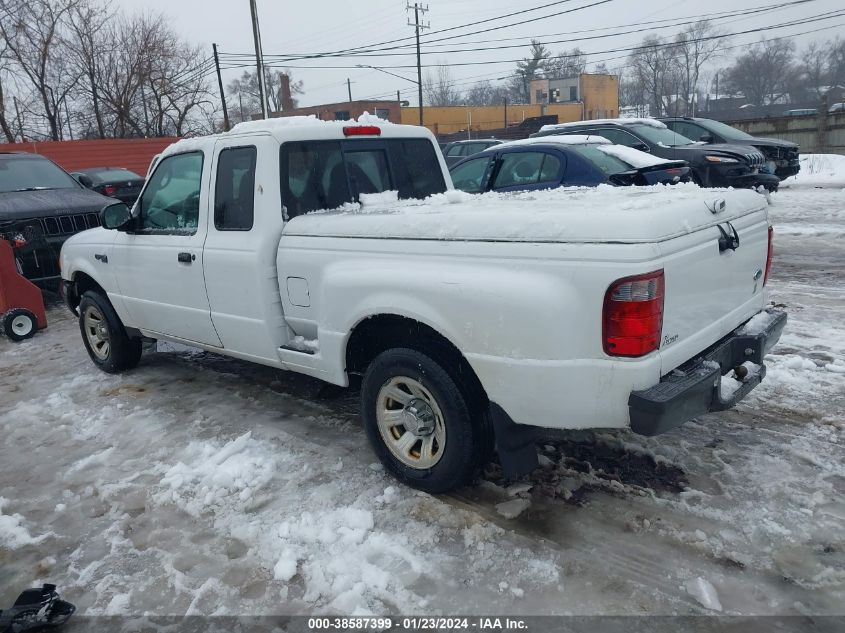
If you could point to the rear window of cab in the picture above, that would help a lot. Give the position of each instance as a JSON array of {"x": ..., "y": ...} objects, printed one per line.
[{"x": 327, "y": 174}]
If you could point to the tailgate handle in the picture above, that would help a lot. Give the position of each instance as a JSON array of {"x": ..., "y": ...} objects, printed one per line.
[{"x": 728, "y": 241}]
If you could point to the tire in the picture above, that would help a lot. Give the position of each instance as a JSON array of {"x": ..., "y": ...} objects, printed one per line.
[
  {"x": 438, "y": 461},
  {"x": 104, "y": 336},
  {"x": 19, "y": 324}
]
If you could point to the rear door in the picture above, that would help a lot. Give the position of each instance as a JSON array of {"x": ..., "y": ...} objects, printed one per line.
[
  {"x": 527, "y": 169},
  {"x": 159, "y": 267}
]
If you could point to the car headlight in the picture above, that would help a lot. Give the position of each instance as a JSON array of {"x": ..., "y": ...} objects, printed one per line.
[{"x": 720, "y": 159}]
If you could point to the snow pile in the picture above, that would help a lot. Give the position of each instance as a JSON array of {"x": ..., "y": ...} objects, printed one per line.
[
  {"x": 13, "y": 534},
  {"x": 285, "y": 123},
  {"x": 818, "y": 170},
  {"x": 633, "y": 157},
  {"x": 758, "y": 323},
  {"x": 302, "y": 344},
  {"x": 729, "y": 385},
  {"x": 703, "y": 591},
  {"x": 563, "y": 139},
  {"x": 217, "y": 475},
  {"x": 625, "y": 121},
  {"x": 375, "y": 199}
]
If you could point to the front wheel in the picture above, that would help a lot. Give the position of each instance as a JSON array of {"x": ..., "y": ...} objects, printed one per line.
[
  {"x": 104, "y": 336},
  {"x": 420, "y": 422}
]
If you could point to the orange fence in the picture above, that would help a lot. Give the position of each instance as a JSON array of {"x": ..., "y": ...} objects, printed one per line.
[{"x": 134, "y": 154}]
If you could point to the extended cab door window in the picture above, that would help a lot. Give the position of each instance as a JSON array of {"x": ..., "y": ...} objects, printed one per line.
[
  {"x": 327, "y": 174},
  {"x": 234, "y": 192},
  {"x": 471, "y": 175},
  {"x": 526, "y": 169},
  {"x": 170, "y": 202}
]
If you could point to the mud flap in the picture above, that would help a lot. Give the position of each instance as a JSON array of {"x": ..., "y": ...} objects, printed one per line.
[{"x": 515, "y": 444}]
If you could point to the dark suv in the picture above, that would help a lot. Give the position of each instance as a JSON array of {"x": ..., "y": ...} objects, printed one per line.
[
  {"x": 717, "y": 165},
  {"x": 781, "y": 156},
  {"x": 40, "y": 207}
]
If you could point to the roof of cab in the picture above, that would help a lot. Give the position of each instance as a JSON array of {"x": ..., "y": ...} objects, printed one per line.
[{"x": 296, "y": 128}]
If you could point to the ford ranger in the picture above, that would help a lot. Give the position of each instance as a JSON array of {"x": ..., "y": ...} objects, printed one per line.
[{"x": 474, "y": 322}]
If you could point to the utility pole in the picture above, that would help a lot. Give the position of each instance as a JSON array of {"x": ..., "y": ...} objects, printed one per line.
[
  {"x": 505, "y": 101},
  {"x": 259, "y": 57},
  {"x": 418, "y": 8},
  {"x": 349, "y": 89},
  {"x": 67, "y": 114},
  {"x": 222, "y": 94},
  {"x": 20, "y": 121}
]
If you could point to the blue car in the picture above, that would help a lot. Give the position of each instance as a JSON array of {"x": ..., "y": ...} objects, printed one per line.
[{"x": 563, "y": 161}]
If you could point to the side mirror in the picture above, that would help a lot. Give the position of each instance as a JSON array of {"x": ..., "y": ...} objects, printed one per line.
[
  {"x": 707, "y": 138},
  {"x": 115, "y": 216},
  {"x": 642, "y": 147}
]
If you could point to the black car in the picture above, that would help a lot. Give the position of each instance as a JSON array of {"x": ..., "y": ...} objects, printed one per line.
[
  {"x": 456, "y": 151},
  {"x": 40, "y": 207},
  {"x": 115, "y": 182},
  {"x": 717, "y": 165},
  {"x": 781, "y": 156},
  {"x": 562, "y": 161}
]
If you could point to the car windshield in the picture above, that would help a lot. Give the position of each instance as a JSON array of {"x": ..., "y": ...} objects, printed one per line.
[
  {"x": 660, "y": 135},
  {"x": 29, "y": 173},
  {"x": 107, "y": 175},
  {"x": 725, "y": 130},
  {"x": 608, "y": 164}
]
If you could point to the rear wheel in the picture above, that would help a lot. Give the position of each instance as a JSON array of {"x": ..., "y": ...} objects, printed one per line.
[
  {"x": 19, "y": 324},
  {"x": 421, "y": 423},
  {"x": 104, "y": 336}
]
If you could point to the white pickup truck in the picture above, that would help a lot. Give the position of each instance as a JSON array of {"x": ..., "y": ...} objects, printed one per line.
[{"x": 474, "y": 321}]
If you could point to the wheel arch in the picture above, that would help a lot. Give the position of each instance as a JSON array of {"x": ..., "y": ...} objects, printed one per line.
[{"x": 373, "y": 334}]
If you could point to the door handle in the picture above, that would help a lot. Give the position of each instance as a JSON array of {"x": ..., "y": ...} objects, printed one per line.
[{"x": 186, "y": 258}]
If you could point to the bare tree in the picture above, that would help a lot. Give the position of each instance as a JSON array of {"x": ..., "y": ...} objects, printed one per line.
[
  {"x": 32, "y": 31},
  {"x": 653, "y": 69},
  {"x": 484, "y": 93},
  {"x": 699, "y": 44},
  {"x": 4, "y": 67},
  {"x": 440, "y": 88},
  {"x": 565, "y": 64},
  {"x": 85, "y": 44},
  {"x": 244, "y": 95},
  {"x": 764, "y": 73}
]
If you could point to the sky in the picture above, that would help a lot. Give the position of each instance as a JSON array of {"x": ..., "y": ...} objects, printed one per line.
[{"x": 300, "y": 27}]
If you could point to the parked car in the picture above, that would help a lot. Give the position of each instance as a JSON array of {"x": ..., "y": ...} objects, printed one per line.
[
  {"x": 782, "y": 157},
  {"x": 114, "y": 182},
  {"x": 40, "y": 207},
  {"x": 801, "y": 112},
  {"x": 562, "y": 161},
  {"x": 837, "y": 107},
  {"x": 472, "y": 320},
  {"x": 716, "y": 165},
  {"x": 458, "y": 150}
]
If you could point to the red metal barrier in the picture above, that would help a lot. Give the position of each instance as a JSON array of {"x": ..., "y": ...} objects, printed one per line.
[{"x": 134, "y": 154}]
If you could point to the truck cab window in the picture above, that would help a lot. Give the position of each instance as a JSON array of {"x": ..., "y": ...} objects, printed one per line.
[
  {"x": 327, "y": 174},
  {"x": 170, "y": 202},
  {"x": 234, "y": 193}
]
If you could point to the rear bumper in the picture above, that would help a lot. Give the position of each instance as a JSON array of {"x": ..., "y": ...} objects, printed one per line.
[{"x": 694, "y": 388}]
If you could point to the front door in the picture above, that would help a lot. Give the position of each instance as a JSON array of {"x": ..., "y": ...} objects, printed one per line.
[{"x": 159, "y": 266}]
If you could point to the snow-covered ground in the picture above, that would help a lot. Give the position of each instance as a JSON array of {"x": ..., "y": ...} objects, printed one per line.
[
  {"x": 202, "y": 485},
  {"x": 818, "y": 170}
]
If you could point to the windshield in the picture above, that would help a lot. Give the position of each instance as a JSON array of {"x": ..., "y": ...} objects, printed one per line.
[
  {"x": 725, "y": 130},
  {"x": 608, "y": 164},
  {"x": 661, "y": 135},
  {"x": 112, "y": 174},
  {"x": 28, "y": 173}
]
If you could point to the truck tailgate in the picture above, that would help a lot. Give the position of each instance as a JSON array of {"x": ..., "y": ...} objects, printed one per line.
[{"x": 714, "y": 282}]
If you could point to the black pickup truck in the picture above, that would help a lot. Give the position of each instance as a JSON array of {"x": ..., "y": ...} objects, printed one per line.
[{"x": 41, "y": 206}]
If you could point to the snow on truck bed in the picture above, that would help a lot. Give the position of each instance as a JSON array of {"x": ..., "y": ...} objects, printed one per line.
[{"x": 585, "y": 214}]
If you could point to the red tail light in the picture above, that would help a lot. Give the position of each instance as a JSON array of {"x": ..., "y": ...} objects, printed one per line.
[
  {"x": 633, "y": 315},
  {"x": 362, "y": 130},
  {"x": 770, "y": 254},
  {"x": 109, "y": 190}
]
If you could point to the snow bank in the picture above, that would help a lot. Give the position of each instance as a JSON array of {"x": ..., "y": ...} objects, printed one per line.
[{"x": 818, "y": 170}]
